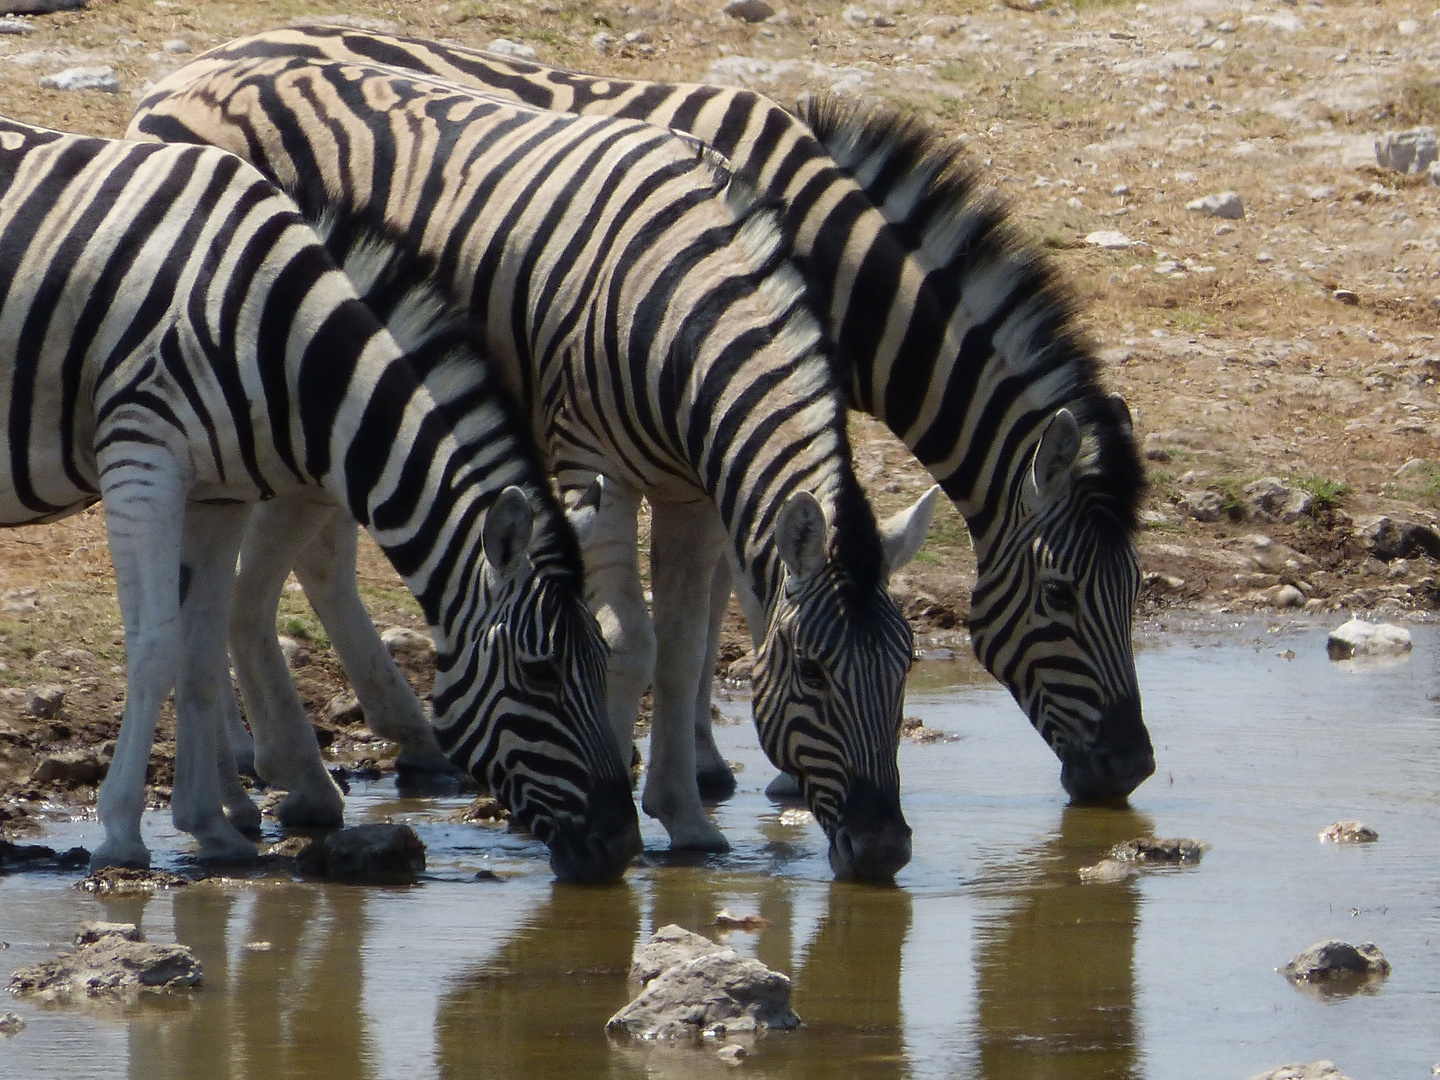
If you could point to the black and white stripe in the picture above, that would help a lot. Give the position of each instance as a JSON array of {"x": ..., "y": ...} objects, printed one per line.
[
  {"x": 948, "y": 328},
  {"x": 646, "y": 309},
  {"x": 177, "y": 342}
]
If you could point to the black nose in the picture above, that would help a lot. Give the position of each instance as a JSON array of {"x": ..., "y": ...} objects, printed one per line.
[
  {"x": 872, "y": 840},
  {"x": 1114, "y": 765},
  {"x": 597, "y": 848}
]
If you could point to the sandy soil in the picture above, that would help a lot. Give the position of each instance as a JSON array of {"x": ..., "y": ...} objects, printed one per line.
[{"x": 1297, "y": 341}]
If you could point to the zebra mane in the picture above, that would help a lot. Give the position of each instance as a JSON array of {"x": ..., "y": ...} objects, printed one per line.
[
  {"x": 398, "y": 286},
  {"x": 930, "y": 194},
  {"x": 856, "y": 546}
]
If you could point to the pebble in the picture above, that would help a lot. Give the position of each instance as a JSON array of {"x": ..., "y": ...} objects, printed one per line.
[
  {"x": 1109, "y": 240},
  {"x": 1315, "y": 1070},
  {"x": 44, "y": 700},
  {"x": 1224, "y": 204},
  {"x": 83, "y": 78},
  {"x": 1346, "y": 296},
  {"x": 402, "y": 641},
  {"x": 176, "y": 45},
  {"x": 751, "y": 11},
  {"x": 16, "y": 26},
  {"x": 11, "y": 1024},
  {"x": 506, "y": 47}
]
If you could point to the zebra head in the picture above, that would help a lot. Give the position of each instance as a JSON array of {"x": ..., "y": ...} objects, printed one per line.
[
  {"x": 829, "y": 685},
  {"x": 531, "y": 683},
  {"x": 1051, "y": 614}
]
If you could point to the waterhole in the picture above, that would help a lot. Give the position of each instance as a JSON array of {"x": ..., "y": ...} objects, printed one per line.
[{"x": 990, "y": 958}]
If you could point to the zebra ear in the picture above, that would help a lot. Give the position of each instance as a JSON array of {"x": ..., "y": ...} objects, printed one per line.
[
  {"x": 1058, "y": 449},
  {"x": 505, "y": 535},
  {"x": 800, "y": 534},
  {"x": 584, "y": 509},
  {"x": 903, "y": 533}
]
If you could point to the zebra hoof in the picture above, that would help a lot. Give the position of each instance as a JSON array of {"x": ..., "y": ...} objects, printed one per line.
[{"x": 715, "y": 784}]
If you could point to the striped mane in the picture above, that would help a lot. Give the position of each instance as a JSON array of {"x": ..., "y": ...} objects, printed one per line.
[
  {"x": 399, "y": 287},
  {"x": 929, "y": 192}
]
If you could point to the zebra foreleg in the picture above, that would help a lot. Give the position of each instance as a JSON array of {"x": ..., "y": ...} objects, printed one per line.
[
  {"x": 204, "y": 766},
  {"x": 686, "y": 544},
  {"x": 326, "y": 568},
  {"x": 605, "y": 522},
  {"x": 286, "y": 753}
]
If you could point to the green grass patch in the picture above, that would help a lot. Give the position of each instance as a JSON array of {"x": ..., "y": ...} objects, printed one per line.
[{"x": 1325, "y": 493}]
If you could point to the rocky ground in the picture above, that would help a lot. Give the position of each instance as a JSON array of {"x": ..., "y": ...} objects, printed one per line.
[{"x": 1277, "y": 344}]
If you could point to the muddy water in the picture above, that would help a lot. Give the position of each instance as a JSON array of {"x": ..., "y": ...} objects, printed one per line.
[{"x": 989, "y": 959}]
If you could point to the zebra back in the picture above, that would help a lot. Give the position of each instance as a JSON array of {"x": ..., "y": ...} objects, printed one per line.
[{"x": 949, "y": 328}]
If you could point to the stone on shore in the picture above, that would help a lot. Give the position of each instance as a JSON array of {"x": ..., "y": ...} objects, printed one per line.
[
  {"x": 1315, "y": 1070},
  {"x": 1337, "y": 966},
  {"x": 1349, "y": 832},
  {"x": 83, "y": 78}
]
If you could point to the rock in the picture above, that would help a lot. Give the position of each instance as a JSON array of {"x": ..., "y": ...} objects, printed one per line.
[
  {"x": 1316, "y": 1070},
  {"x": 44, "y": 700},
  {"x": 39, "y": 7},
  {"x": 83, "y": 78},
  {"x": 1285, "y": 596},
  {"x": 914, "y": 729},
  {"x": 726, "y": 921},
  {"x": 355, "y": 22},
  {"x": 15, "y": 26},
  {"x": 344, "y": 709},
  {"x": 1106, "y": 872},
  {"x": 175, "y": 45},
  {"x": 111, "y": 965},
  {"x": 1348, "y": 297},
  {"x": 1407, "y": 152},
  {"x": 1204, "y": 505},
  {"x": 1108, "y": 240},
  {"x": 1224, "y": 204},
  {"x": 485, "y": 809},
  {"x": 796, "y": 817},
  {"x": 1349, "y": 832},
  {"x": 75, "y": 769},
  {"x": 1387, "y": 538},
  {"x": 668, "y": 947},
  {"x": 129, "y": 881},
  {"x": 1337, "y": 964},
  {"x": 1358, "y": 638},
  {"x": 289, "y": 648},
  {"x": 401, "y": 641},
  {"x": 855, "y": 15},
  {"x": 40, "y": 857},
  {"x": 741, "y": 670},
  {"x": 712, "y": 994},
  {"x": 749, "y": 10},
  {"x": 603, "y": 41},
  {"x": 506, "y": 47},
  {"x": 732, "y": 1053},
  {"x": 93, "y": 930},
  {"x": 1271, "y": 499},
  {"x": 1153, "y": 849},
  {"x": 376, "y": 854},
  {"x": 1262, "y": 553},
  {"x": 11, "y": 1024}
]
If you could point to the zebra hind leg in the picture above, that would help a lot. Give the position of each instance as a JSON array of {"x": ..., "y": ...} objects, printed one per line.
[
  {"x": 712, "y": 771},
  {"x": 205, "y": 776},
  {"x": 686, "y": 543},
  {"x": 326, "y": 568}
]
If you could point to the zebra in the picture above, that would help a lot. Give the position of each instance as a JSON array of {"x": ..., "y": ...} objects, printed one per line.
[
  {"x": 644, "y": 304},
  {"x": 947, "y": 327},
  {"x": 178, "y": 344}
]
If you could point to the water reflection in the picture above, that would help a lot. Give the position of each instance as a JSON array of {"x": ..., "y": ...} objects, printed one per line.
[
  {"x": 1056, "y": 968},
  {"x": 290, "y": 1008}
]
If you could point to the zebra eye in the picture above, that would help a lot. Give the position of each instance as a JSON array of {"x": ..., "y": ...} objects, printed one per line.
[
  {"x": 812, "y": 675},
  {"x": 1059, "y": 597},
  {"x": 540, "y": 674}
]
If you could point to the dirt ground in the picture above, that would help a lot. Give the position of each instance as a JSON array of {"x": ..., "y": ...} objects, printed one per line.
[{"x": 1297, "y": 341}]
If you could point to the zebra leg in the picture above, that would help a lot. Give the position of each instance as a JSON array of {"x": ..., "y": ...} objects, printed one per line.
[
  {"x": 204, "y": 767},
  {"x": 286, "y": 753},
  {"x": 712, "y": 771},
  {"x": 606, "y": 522},
  {"x": 686, "y": 542},
  {"x": 326, "y": 568}
]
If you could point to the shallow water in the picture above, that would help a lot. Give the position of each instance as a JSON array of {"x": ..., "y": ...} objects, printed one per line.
[{"x": 989, "y": 959}]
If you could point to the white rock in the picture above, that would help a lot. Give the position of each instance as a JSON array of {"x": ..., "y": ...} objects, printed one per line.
[
  {"x": 16, "y": 26},
  {"x": 1360, "y": 638},
  {"x": 401, "y": 640},
  {"x": 856, "y": 16},
  {"x": 603, "y": 41},
  {"x": 1407, "y": 152},
  {"x": 1109, "y": 240},
  {"x": 176, "y": 45},
  {"x": 83, "y": 78},
  {"x": 506, "y": 47},
  {"x": 1223, "y": 204}
]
